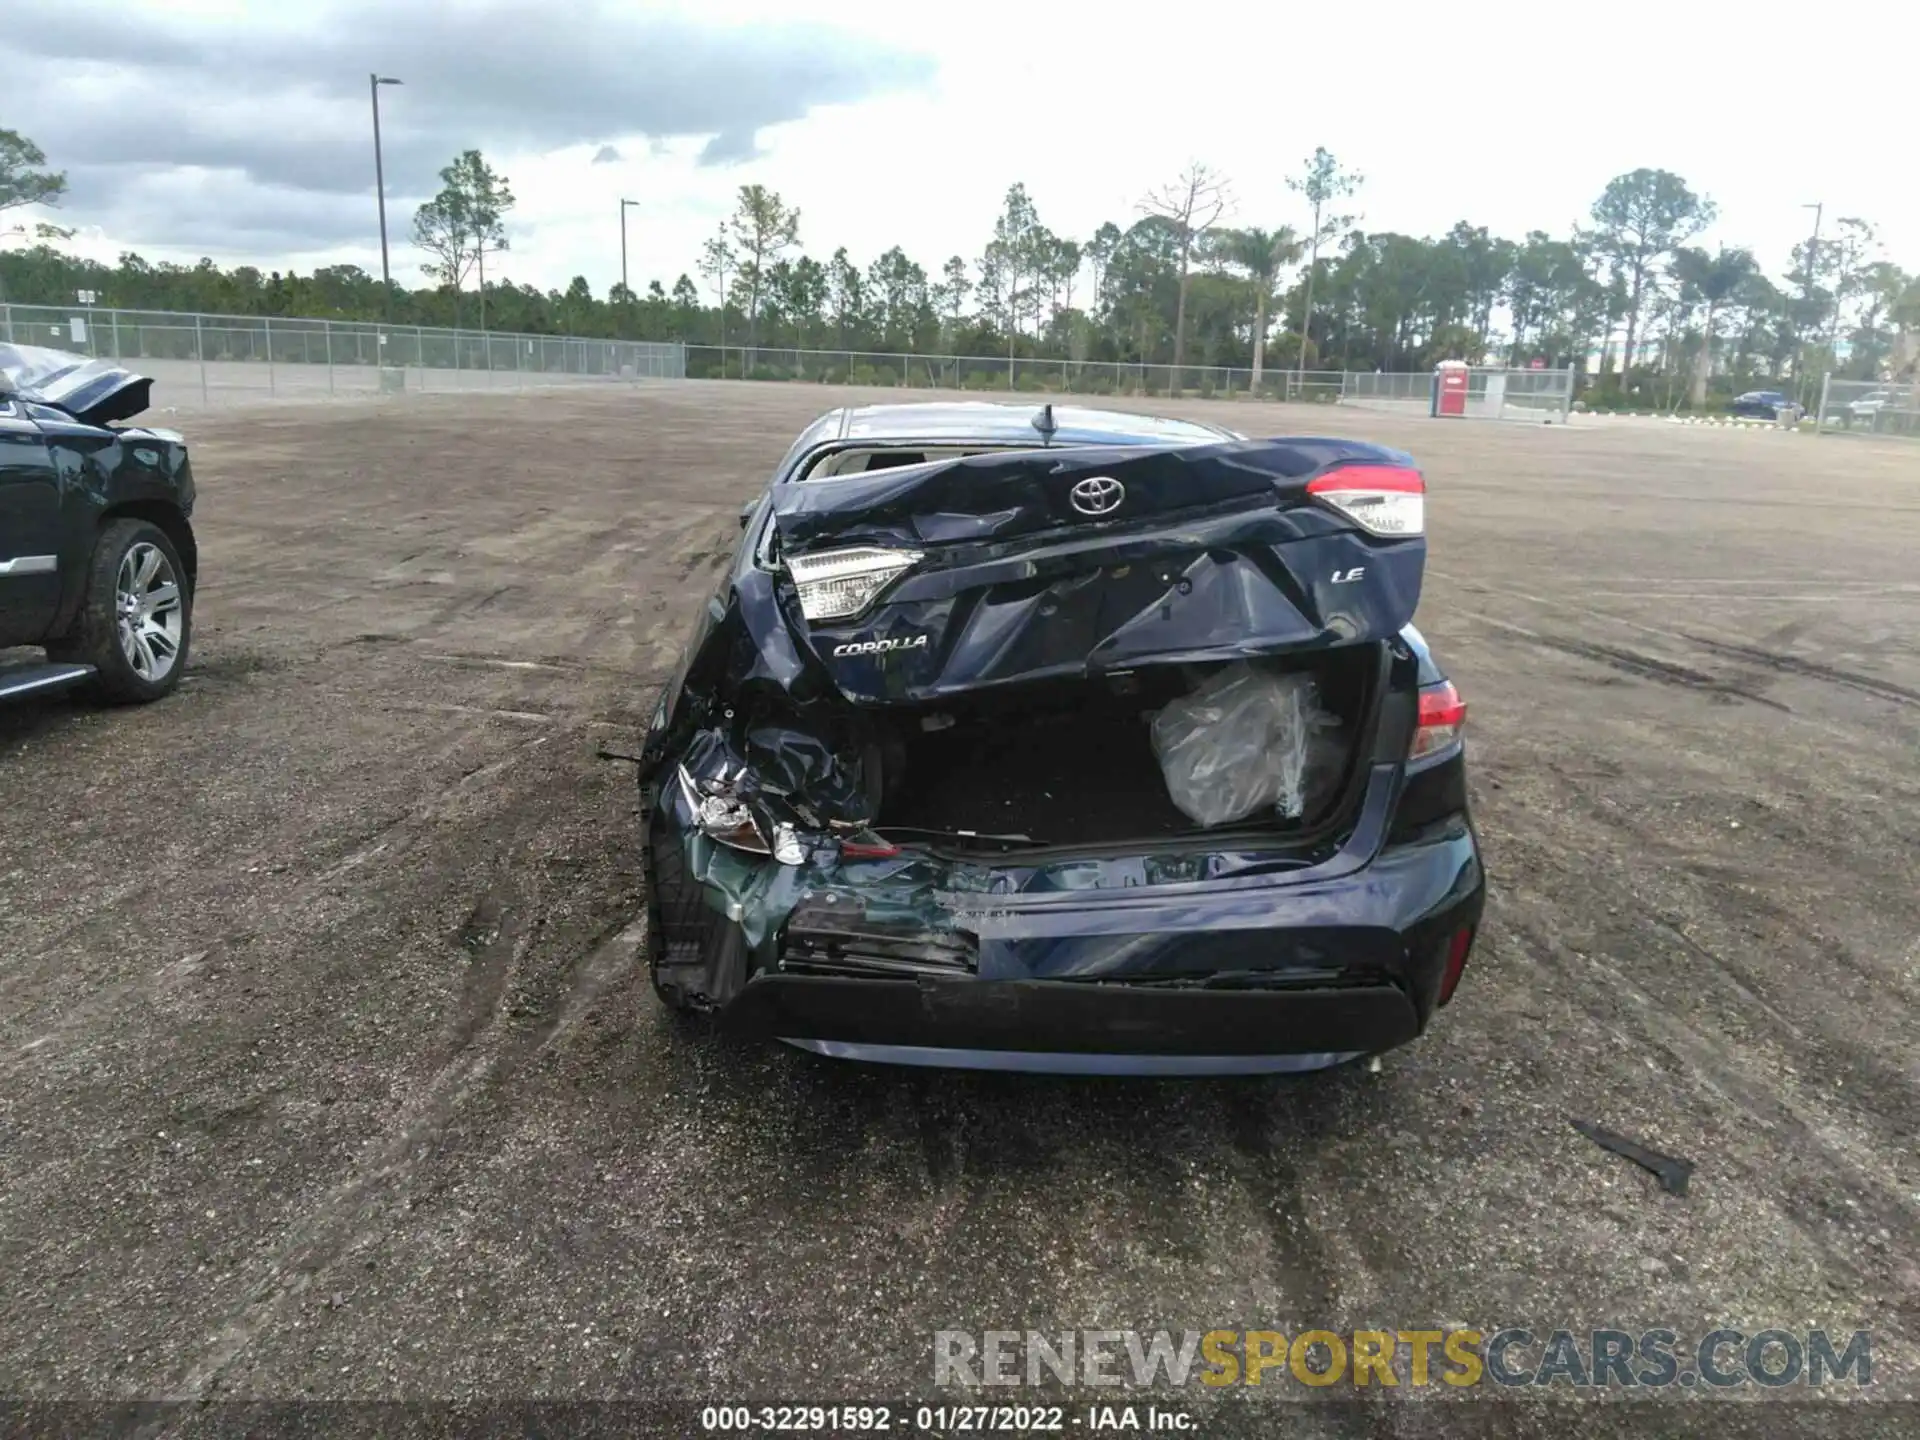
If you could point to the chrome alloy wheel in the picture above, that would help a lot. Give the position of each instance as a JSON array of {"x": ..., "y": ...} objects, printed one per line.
[{"x": 147, "y": 611}]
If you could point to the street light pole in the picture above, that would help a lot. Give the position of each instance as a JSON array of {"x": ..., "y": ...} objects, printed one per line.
[
  {"x": 1813, "y": 245},
  {"x": 624, "y": 286},
  {"x": 374, "y": 82},
  {"x": 623, "y": 242},
  {"x": 1813, "y": 253}
]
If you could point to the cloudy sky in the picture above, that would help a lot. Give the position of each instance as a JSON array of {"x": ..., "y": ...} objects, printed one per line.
[{"x": 240, "y": 129}]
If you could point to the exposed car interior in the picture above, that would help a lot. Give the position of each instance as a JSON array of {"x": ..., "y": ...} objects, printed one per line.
[
  {"x": 1071, "y": 763},
  {"x": 865, "y": 459}
]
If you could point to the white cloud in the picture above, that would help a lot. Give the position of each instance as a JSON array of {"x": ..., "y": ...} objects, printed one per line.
[{"x": 1514, "y": 119}]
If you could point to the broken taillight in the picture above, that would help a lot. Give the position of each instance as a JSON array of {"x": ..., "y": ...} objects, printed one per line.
[
  {"x": 723, "y": 818},
  {"x": 1384, "y": 500},
  {"x": 839, "y": 584},
  {"x": 1457, "y": 948},
  {"x": 1443, "y": 714}
]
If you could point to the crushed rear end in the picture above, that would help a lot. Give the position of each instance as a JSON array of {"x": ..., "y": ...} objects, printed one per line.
[{"x": 1077, "y": 759}]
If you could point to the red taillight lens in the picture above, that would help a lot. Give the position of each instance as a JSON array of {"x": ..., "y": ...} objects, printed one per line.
[
  {"x": 1457, "y": 948},
  {"x": 1443, "y": 714},
  {"x": 1385, "y": 500}
]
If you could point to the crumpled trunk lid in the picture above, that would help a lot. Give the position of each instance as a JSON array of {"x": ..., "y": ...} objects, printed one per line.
[{"x": 1080, "y": 562}]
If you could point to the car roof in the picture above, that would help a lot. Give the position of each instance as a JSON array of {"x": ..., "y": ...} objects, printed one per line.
[{"x": 1014, "y": 424}]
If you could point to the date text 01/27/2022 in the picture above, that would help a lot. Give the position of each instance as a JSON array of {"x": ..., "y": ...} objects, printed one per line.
[{"x": 942, "y": 1419}]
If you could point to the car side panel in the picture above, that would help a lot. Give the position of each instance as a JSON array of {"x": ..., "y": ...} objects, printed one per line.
[
  {"x": 97, "y": 471},
  {"x": 31, "y": 560}
]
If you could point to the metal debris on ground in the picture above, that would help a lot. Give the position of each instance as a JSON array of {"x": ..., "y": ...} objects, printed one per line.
[{"x": 1671, "y": 1171}]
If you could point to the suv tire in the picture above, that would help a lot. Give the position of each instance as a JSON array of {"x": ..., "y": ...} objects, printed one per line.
[{"x": 136, "y": 615}]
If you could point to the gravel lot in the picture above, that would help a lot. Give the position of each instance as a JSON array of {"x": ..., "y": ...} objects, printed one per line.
[{"x": 330, "y": 1070}]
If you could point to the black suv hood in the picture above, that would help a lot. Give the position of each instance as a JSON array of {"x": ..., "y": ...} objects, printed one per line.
[{"x": 94, "y": 392}]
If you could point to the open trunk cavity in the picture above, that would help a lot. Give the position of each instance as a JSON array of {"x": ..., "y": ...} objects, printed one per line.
[{"x": 1073, "y": 763}]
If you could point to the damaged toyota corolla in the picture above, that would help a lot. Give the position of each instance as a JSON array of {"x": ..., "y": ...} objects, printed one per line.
[{"x": 1064, "y": 740}]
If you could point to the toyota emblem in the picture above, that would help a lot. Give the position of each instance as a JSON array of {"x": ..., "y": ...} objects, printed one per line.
[{"x": 1097, "y": 495}]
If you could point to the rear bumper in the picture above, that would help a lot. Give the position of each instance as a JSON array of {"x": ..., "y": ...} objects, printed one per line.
[
  {"x": 1078, "y": 966},
  {"x": 1240, "y": 981},
  {"x": 1070, "y": 1017},
  {"x": 1050, "y": 1062}
]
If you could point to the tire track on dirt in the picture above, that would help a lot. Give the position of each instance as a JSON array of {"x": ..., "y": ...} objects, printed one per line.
[
  {"x": 1813, "y": 1160},
  {"x": 1888, "y": 1095},
  {"x": 1651, "y": 667},
  {"x": 344, "y": 1214},
  {"x": 486, "y": 1047},
  {"x": 1811, "y": 669},
  {"x": 1630, "y": 662},
  {"x": 390, "y": 841}
]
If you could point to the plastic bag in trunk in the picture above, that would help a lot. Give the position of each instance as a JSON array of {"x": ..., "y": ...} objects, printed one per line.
[{"x": 1247, "y": 740}]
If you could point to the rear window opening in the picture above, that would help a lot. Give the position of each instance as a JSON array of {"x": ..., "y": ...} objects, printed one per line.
[
  {"x": 1072, "y": 764},
  {"x": 866, "y": 459}
]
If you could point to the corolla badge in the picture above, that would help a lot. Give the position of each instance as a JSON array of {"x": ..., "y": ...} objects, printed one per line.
[
  {"x": 1097, "y": 495},
  {"x": 880, "y": 647}
]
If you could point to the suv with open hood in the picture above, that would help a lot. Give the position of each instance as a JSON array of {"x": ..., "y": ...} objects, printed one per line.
[
  {"x": 97, "y": 553},
  {"x": 1071, "y": 740}
]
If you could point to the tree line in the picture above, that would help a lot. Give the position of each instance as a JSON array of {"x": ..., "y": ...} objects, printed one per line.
[{"x": 1627, "y": 297}]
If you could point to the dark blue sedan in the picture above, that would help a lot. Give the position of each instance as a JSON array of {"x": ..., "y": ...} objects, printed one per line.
[
  {"x": 1065, "y": 740},
  {"x": 1765, "y": 405}
]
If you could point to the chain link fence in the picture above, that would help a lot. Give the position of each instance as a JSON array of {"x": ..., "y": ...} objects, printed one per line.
[
  {"x": 1873, "y": 407},
  {"x": 1410, "y": 391},
  {"x": 206, "y": 360},
  {"x": 1539, "y": 395},
  {"x": 1492, "y": 393},
  {"x": 210, "y": 360},
  {"x": 999, "y": 373}
]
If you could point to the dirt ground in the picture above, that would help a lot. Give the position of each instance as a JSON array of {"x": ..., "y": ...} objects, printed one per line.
[{"x": 330, "y": 1070}]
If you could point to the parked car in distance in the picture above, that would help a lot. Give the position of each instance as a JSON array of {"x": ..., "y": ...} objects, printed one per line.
[
  {"x": 1885, "y": 407},
  {"x": 1869, "y": 406},
  {"x": 1766, "y": 405},
  {"x": 1066, "y": 740},
  {"x": 97, "y": 555}
]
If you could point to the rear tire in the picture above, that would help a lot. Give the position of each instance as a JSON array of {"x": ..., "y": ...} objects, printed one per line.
[{"x": 136, "y": 615}]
